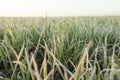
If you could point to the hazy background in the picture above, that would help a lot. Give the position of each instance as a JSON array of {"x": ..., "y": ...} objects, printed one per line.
[{"x": 59, "y": 7}]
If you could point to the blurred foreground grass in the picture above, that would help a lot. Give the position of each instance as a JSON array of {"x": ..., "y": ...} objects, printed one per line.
[{"x": 82, "y": 48}]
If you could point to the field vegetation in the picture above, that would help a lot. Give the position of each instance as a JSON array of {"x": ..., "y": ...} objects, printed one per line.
[{"x": 71, "y": 48}]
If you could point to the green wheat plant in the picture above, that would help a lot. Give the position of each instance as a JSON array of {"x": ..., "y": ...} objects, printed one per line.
[{"x": 62, "y": 48}]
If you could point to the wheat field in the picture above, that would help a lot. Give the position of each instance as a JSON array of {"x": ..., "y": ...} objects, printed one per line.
[{"x": 60, "y": 48}]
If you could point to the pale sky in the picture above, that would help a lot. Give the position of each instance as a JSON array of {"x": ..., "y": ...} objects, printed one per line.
[{"x": 59, "y": 7}]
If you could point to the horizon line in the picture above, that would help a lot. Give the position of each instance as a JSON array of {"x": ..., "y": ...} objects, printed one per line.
[{"x": 65, "y": 16}]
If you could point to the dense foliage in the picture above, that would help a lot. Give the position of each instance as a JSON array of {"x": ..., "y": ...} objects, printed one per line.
[{"x": 76, "y": 48}]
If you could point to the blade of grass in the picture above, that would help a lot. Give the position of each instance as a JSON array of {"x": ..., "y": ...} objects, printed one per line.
[
  {"x": 18, "y": 59},
  {"x": 81, "y": 62}
]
